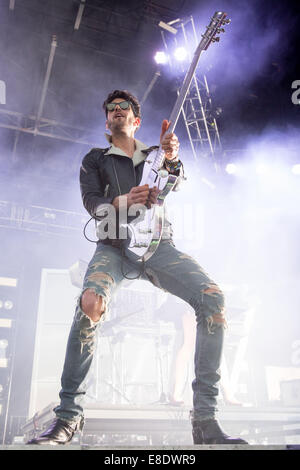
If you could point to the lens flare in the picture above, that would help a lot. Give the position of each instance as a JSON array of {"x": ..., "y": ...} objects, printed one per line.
[
  {"x": 231, "y": 168},
  {"x": 180, "y": 54},
  {"x": 296, "y": 169},
  {"x": 261, "y": 169},
  {"x": 160, "y": 57}
]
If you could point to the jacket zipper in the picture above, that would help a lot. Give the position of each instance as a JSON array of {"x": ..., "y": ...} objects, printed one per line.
[
  {"x": 119, "y": 189},
  {"x": 116, "y": 175}
]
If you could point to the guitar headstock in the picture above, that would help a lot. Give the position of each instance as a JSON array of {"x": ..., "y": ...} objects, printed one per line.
[{"x": 215, "y": 27}]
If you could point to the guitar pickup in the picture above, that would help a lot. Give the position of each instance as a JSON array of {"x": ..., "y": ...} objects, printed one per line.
[
  {"x": 141, "y": 230},
  {"x": 140, "y": 245}
]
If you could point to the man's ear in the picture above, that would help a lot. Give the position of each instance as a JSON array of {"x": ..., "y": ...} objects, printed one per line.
[
  {"x": 137, "y": 122},
  {"x": 106, "y": 125}
]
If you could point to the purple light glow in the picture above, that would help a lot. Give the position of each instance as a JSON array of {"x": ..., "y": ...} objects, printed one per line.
[{"x": 160, "y": 57}]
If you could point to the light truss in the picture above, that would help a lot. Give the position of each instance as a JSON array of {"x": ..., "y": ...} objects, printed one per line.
[
  {"x": 47, "y": 128},
  {"x": 41, "y": 219},
  {"x": 37, "y": 125}
]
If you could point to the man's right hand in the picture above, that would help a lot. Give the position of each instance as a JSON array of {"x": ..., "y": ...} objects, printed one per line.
[{"x": 137, "y": 195}]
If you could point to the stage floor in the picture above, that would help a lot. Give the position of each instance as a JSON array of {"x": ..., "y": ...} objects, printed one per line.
[
  {"x": 163, "y": 426},
  {"x": 149, "y": 449}
]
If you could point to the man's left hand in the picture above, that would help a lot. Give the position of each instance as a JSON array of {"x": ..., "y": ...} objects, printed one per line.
[{"x": 169, "y": 142}]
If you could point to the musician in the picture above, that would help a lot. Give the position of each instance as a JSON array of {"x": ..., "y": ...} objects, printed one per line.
[{"x": 111, "y": 177}]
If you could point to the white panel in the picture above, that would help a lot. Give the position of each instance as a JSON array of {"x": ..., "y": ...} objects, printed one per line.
[{"x": 58, "y": 298}]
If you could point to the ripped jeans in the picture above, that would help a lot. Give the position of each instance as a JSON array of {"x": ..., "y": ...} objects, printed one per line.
[{"x": 174, "y": 272}]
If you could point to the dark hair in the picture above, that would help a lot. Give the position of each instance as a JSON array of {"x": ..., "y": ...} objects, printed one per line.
[{"x": 136, "y": 108}]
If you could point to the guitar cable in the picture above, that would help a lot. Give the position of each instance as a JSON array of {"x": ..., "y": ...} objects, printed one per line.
[
  {"x": 142, "y": 271},
  {"x": 123, "y": 256}
]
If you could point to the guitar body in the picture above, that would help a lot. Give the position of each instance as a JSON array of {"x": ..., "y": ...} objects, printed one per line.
[{"x": 145, "y": 232}]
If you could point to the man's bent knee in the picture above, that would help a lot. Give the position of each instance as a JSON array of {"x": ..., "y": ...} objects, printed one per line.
[
  {"x": 216, "y": 320},
  {"x": 213, "y": 292},
  {"x": 92, "y": 305}
]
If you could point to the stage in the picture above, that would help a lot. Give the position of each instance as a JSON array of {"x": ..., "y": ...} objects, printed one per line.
[{"x": 117, "y": 426}]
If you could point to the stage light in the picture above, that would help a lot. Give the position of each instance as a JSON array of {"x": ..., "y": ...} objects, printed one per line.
[
  {"x": 1, "y": 304},
  {"x": 3, "y": 346},
  {"x": 8, "y": 281},
  {"x": 296, "y": 169},
  {"x": 180, "y": 54},
  {"x": 8, "y": 304},
  {"x": 231, "y": 168},
  {"x": 161, "y": 57},
  {"x": 261, "y": 169},
  {"x": 5, "y": 323},
  {"x": 168, "y": 27}
]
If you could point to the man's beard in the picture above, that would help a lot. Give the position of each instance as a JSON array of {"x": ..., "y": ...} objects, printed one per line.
[{"x": 119, "y": 125}]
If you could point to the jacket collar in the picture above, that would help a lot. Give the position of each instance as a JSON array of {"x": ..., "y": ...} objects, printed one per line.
[{"x": 141, "y": 151}]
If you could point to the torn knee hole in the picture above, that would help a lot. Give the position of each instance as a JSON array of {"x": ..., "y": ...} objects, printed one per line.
[
  {"x": 218, "y": 319},
  {"x": 92, "y": 304},
  {"x": 212, "y": 289}
]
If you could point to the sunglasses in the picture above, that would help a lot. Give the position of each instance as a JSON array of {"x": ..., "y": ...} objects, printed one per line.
[{"x": 123, "y": 105}]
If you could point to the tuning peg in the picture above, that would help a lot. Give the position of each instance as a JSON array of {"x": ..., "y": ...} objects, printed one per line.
[
  {"x": 217, "y": 39},
  {"x": 227, "y": 21},
  {"x": 221, "y": 30}
]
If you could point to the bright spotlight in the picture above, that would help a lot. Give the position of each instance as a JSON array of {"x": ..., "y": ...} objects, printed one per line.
[
  {"x": 231, "y": 168},
  {"x": 8, "y": 304},
  {"x": 261, "y": 169},
  {"x": 180, "y": 54},
  {"x": 160, "y": 57},
  {"x": 296, "y": 169}
]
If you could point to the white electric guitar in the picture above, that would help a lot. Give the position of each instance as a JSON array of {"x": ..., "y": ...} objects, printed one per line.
[{"x": 145, "y": 231}]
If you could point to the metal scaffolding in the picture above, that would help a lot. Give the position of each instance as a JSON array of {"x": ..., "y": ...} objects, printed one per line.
[
  {"x": 198, "y": 111},
  {"x": 32, "y": 218},
  {"x": 38, "y": 125}
]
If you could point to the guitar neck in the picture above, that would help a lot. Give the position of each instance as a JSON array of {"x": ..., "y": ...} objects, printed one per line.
[{"x": 217, "y": 20}]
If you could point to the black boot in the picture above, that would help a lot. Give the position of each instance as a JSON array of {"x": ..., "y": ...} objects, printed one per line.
[
  {"x": 209, "y": 432},
  {"x": 59, "y": 432}
]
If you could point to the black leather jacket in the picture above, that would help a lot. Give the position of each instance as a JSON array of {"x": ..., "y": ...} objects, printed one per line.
[{"x": 104, "y": 177}]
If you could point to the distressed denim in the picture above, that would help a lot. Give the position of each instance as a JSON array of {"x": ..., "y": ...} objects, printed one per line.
[{"x": 172, "y": 271}]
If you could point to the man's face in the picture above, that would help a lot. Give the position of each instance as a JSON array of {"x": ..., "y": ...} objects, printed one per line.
[{"x": 121, "y": 119}]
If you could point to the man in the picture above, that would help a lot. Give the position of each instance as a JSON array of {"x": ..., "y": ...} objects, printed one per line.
[{"x": 112, "y": 176}]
